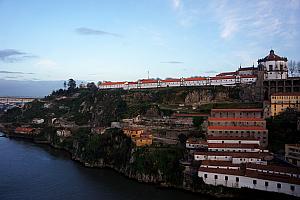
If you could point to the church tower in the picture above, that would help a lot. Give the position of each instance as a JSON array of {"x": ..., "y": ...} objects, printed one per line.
[{"x": 274, "y": 66}]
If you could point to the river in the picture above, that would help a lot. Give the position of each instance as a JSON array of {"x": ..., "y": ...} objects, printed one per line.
[{"x": 36, "y": 172}]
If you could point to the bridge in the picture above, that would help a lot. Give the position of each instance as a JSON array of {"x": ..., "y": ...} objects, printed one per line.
[{"x": 15, "y": 100}]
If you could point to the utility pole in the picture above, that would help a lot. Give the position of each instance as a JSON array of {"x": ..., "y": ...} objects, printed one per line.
[{"x": 148, "y": 74}]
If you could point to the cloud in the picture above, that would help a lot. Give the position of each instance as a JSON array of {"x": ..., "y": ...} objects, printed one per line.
[
  {"x": 11, "y": 72},
  {"x": 89, "y": 31},
  {"x": 269, "y": 19},
  {"x": 11, "y": 55},
  {"x": 172, "y": 62},
  {"x": 12, "y": 77},
  {"x": 48, "y": 63},
  {"x": 229, "y": 27},
  {"x": 176, "y": 4}
]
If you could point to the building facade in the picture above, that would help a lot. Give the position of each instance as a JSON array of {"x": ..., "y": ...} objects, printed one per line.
[
  {"x": 239, "y": 123},
  {"x": 258, "y": 177},
  {"x": 281, "y": 101},
  {"x": 292, "y": 154},
  {"x": 275, "y": 67}
]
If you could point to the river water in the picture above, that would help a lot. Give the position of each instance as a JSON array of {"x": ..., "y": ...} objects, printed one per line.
[{"x": 36, "y": 172}]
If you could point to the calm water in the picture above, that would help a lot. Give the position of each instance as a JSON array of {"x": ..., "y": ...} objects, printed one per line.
[{"x": 30, "y": 171}]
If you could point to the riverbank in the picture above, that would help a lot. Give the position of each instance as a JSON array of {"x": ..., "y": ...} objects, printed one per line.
[
  {"x": 40, "y": 172},
  {"x": 127, "y": 172},
  {"x": 206, "y": 190}
]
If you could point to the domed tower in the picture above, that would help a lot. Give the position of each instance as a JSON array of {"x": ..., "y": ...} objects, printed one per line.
[{"x": 274, "y": 66}]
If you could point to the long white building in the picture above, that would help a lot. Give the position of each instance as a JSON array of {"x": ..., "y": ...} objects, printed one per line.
[
  {"x": 254, "y": 176},
  {"x": 241, "y": 162},
  {"x": 182, "y": 82}
]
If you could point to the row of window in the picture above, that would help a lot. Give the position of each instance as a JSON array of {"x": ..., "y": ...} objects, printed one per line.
[
  {"x": 276, "y": 67},
  {"x": 223, "y": 150},
  {"x": 238, "y": 123},
  {"x": 254, "y": 132},
  {"x": 237, "y": 179},
  {"x": 285, "y": 97}
]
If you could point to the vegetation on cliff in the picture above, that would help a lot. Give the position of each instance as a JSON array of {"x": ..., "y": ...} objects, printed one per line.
[
  {"x": 283, "y": 130},
  {"x": 159, "y": 161}
]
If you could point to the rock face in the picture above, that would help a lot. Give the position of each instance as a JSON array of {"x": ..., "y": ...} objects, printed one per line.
[{"x": 199, "y": 97}]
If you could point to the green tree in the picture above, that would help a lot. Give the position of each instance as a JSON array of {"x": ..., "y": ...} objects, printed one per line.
[
  {"x": 65, "y": 84},
  {"x": 197, "y": 122},
  {"x": 92, "y": 86},
  {"x": 71, "y": 84},
  {"x": 182, "y": 138}
]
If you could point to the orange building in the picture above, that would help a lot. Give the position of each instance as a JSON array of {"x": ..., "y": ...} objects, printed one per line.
[
  {"x": 138, "y": 136},
  {"x": 23, "y": 130}
]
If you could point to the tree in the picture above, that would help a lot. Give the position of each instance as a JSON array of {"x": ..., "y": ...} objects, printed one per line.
[
  {"x": 292, "y": 67},
  {"x": 182, "y": 138},
  {"x": 198, "y": 121},
  {"x": 71, "y": 84},
  {"x": 298, "y": 68},
  {"x": 65, "y": 84},
  {"x": 92, "y": 86}
]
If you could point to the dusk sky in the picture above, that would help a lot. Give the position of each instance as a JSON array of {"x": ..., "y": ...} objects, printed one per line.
[{"x": 123, "y": 39}]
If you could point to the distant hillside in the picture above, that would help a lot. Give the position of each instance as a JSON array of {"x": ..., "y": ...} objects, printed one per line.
[{"x": 28, "y": 88}]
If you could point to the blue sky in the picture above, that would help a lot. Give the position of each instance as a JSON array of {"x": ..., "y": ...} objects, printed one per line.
[{"x": 122, "y": 40}]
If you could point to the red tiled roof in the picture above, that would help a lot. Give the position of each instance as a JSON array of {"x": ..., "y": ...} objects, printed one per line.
[
  {"x": 219, "y": 163},
  {"x": 272, "y": 177},
  {"x": 234, "y": 154},
  {"x": 170, "y": 80},
  {"x": 22, "y": 129},
  {"x": 190, "y": 115},
  {"x": 196, "y": 142},
  {"x": 230, "y": 138},
  {"x": 222, "y": 171},
  {"x": 286, "y": 94},
  {"x": 237, "y": 110},
  {"x": 257, "y": 128},
  {"x": 246, "y": 68},
  {"x": 112, "y": 83},
  {"x": 148, "y": 81},
  {"x": 231, "y": 119},
  {"x": 195, "y": 79},
  {"x": 272, "y": 57},
  {"x": 233, "y": 145},
  {"x": 276, "y": 168},
  {"x": 131, "y": 83}
]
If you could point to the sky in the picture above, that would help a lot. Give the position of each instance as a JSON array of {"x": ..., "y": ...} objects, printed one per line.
[{"x": 99, "y": 40}]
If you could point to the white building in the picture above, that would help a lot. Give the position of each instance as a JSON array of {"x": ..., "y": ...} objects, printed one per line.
[
  {"x": 233, "y": 140},
  {"x": 195, "y": 81},
  {"x": 292, "y": 154},
  {"x": 38, "y": 121},
  {"x": 63, "y": 133},
  {"x": 275, "y": 67},
  {"x": 170, "y": 82},
  {"x": 234, "y": 157},
  {"x": 254, "y": 176},
  {"x": 195, "y": 144}
]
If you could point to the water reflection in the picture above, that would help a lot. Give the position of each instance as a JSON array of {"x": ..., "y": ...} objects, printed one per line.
[{"x": 30, "y": 171}]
